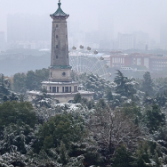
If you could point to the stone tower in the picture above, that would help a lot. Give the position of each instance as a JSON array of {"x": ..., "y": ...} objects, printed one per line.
[
  {"x": 60, "y": 70},
  {"x": 60, "y": 85}
]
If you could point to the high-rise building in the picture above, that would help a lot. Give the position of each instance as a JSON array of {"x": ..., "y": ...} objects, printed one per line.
[
  {"x": 106, "y": 35},
  {"x": 141, "y": 40},
  {"x": 126, "y": 41},
  {"x": 28, "y": 31},
  {"x": 2, "y": 41},
  {"x": 163, "y": 36},
  {"x": 26, "y": 27}
]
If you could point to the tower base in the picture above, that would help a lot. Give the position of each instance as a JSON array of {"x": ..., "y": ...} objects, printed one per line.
[{"x": 61, "y": 97}]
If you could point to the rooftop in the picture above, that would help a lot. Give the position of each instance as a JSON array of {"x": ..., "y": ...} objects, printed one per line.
[
  {"x": 34, "y": 92},
  {"x": 59, "y": 83},
  {"x": 59, "y": 12}
]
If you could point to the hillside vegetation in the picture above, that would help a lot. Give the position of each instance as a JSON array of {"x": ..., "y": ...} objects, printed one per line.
[{"x": 125, "y": 126}]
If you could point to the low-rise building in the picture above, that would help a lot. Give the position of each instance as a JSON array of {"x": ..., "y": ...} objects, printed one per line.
[{"x": 149, "y": 62}]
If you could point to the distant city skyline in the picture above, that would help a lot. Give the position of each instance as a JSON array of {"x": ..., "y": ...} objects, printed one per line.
[
  {"x": 105, "y": 18},
  {"x": 126, "y": 14}
]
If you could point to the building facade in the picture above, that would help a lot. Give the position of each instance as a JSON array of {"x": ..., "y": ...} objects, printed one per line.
[{"x": 134, "y": 61}]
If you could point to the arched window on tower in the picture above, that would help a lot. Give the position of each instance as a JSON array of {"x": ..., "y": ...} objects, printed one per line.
[{"x": 63, "y": 89}]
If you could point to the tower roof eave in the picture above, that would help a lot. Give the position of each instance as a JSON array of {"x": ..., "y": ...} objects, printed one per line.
[{"x": 59, "y": 12}]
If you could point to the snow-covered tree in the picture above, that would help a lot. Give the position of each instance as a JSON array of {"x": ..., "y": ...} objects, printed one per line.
[
  {"x": 111, "y": 129},
  {"x": 147, "y": 85},
  {"x": 125, "y": 86}
]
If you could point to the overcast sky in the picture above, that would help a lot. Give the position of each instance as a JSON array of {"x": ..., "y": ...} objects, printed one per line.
[{"x": 125, "y": 16}]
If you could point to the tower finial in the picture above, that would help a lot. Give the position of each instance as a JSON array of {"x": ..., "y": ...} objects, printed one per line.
[{"x": 59, "y": 4}]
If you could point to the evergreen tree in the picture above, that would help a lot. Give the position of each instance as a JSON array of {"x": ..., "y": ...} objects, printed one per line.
[
  {"x": 63, "y": 154},
  {"x": 147, "y": 85},
  {"x": 13, "y": 97},
  {"x": 4, "y": 89},
  {"x": 77, "y": 98},
  {"x": 120, "y": 80},
  {"x": 101, "y": 104},
  {"x": 4, "y": 165},
  {"x": 16, "y": 137},
  {"x": 16, "y": 113},
  {"x": 125, "y": 86},
  {"x": 154, "y": 118},
  {"x": 143, "y": 156},
  {"x": 19, "y": 82},
  {"x": 122, "y": 158},
  {"x": 161, "y": 98},
  {"x": 109, "y": 95},
  {"x": 91, "y": 104},
  {"x": 31, "y": 81},
  {"x": 61, "y": 128},
  {"x": 132, "y": 111}
]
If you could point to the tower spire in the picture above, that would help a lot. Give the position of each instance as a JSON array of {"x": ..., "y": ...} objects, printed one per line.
[{"x": 59, "y": 4}]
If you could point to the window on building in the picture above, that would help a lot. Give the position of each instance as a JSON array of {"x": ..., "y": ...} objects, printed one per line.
[
  {"x": 75, "y": 89},
  {"x": 57, "y": 89},
  {"x": 50, "y": 89},
  {"x": 57, "y": 25},
  {"x": 57, "y": 56},
  {"x": 63, "y": 89},
  {"x": 57, "y": 36},
  {"x": 54, "y": 89},
  {"x": 66, "y": 89},
  {"x": 57, "y": 46},
  {"x": 70, "y": 89}
]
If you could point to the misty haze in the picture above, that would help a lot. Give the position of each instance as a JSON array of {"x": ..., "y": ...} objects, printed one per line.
[{"x": 83, "y": 83}]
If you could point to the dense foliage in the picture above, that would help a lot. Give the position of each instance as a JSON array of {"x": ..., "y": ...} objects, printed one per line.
[
  {"x": 4, "y": 88},
  {"x": 93, "y": 83},
  {"x": 62, "y": 128},
  {"x": 124, "y": 127},
  {"x": 16, "y": 113},
  {"x": 29, "y": 81},
  {"x": 147, "y": 84}
]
